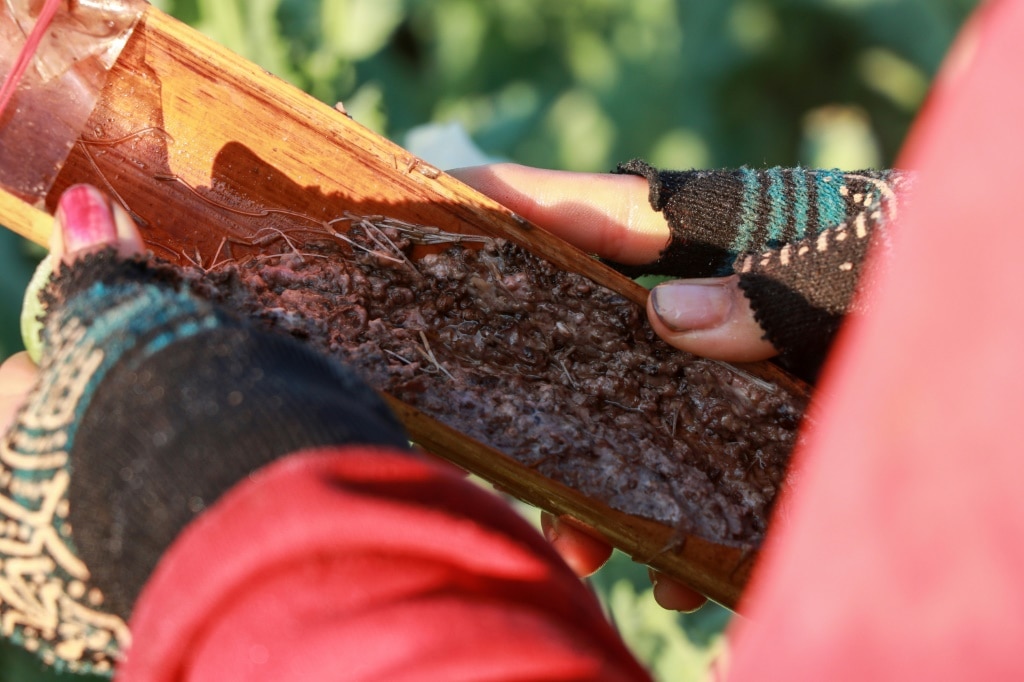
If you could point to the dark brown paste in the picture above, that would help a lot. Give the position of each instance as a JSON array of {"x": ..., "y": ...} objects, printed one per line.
[{"x": 555, "y": 371}]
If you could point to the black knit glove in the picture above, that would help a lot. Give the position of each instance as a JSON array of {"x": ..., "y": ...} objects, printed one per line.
[
  {"x": 797, "y": 238},
  {"x": 151, "y": 403}
]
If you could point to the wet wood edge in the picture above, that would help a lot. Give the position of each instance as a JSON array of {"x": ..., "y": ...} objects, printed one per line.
[
  {"x": 206, "y": 100},
  {"x": 717, "y": 571}
]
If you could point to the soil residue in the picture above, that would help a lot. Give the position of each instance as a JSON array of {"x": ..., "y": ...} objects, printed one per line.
[{"x": 544, "y": 365}]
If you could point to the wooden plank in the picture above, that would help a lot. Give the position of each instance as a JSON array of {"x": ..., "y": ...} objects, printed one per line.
[
  {"x": 28, "y": 221},
  {"x": 211, "y": 155}
]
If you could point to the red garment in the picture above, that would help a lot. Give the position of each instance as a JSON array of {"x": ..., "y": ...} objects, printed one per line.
[
  {"x": 366, "y": 565},
  {"x": 902, "y": 556}
]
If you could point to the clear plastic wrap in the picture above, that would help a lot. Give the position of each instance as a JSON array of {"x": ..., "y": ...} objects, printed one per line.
[{"x": 59, "y": 89}]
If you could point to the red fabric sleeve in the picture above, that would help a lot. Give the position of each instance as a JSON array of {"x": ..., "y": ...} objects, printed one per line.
[
  {"x": 902, "y": 555},
  {"x": 358, "y": 564}
]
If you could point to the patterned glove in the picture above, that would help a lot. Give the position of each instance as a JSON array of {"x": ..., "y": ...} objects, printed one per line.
[
  {"x": 151, "y": 403},
  {"x": 797, "y": 238}
]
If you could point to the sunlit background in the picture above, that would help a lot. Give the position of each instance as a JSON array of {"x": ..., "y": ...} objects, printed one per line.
[{"x": 583, "y": 85}]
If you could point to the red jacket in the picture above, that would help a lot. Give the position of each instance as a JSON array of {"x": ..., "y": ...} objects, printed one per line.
[{"x": 356, "y": 564}]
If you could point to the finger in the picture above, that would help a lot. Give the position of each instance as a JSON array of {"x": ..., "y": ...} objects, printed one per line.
[
  {"x": 87, "y": 221},
  {"x": 708, "y": 317},
  {"x": 17, "y": 376},
  {"x": 609, "y": 215},
  {"x": 673, "y": 595},
  {"x": 578, "y": 546}
]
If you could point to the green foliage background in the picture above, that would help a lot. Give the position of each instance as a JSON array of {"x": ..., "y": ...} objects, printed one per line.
[{"x": 584, "y": 84}]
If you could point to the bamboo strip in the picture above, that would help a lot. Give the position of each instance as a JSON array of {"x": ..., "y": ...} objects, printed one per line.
[{"x": 24, "y": 219}]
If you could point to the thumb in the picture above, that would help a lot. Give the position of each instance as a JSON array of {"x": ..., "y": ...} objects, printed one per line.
[{"x": 708, "y": 317}]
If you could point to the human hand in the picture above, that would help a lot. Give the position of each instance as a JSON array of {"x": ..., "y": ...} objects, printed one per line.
[
  {"x": 46, "y": 598},
  {"x": 611, "y": 216},
  {"x": 583, "y": 549},
  {"x": 140, "y": 380},
  {"x": 17, "y": 374}
]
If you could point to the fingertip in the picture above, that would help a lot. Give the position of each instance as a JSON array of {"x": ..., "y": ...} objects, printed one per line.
[
  {"x": 87, "y": 220},
  {"x": 674, "y": 596},
  {"x": 708, "y": 317},
  {"x": 576, "y": 544},
  {"x": 17, "y": 371},
  {"x": 17, "y": 376},
  {"x": 506, "y": 183},
  {"x": 470, "y": 175},
  {"x": 129, "y": 239}
]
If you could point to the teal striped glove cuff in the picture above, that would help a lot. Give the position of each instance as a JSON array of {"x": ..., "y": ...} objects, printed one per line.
[{"x": 797, "y": 238}]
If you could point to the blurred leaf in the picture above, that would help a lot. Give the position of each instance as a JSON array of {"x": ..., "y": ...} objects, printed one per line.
[
  {"x": 17, "y": 665},
  {"x": 222, "y": 21},
  {"x": 839, "y": 137},
  {"x": 893, "y": 76},
  {"x": 17, "y": 262},
  {"x": 357, "y": 29}
]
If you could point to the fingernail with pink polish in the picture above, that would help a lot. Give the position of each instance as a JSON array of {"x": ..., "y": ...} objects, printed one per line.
[
  {"x": 85, "y": 218},
  {"x": 684, "y": 307}
]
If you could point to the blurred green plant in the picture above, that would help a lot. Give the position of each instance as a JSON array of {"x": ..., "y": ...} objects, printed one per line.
[
  {"x": 17, "y": 261},
  {"x": 584, "y": 84}
]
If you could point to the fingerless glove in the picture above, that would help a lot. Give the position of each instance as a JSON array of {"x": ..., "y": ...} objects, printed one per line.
[
  {"x": 151, "y": 403},
  {"x": 797, "y": 238}
]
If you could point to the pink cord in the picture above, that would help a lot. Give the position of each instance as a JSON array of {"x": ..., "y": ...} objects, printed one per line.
[{"x": 27, "y": 52}]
